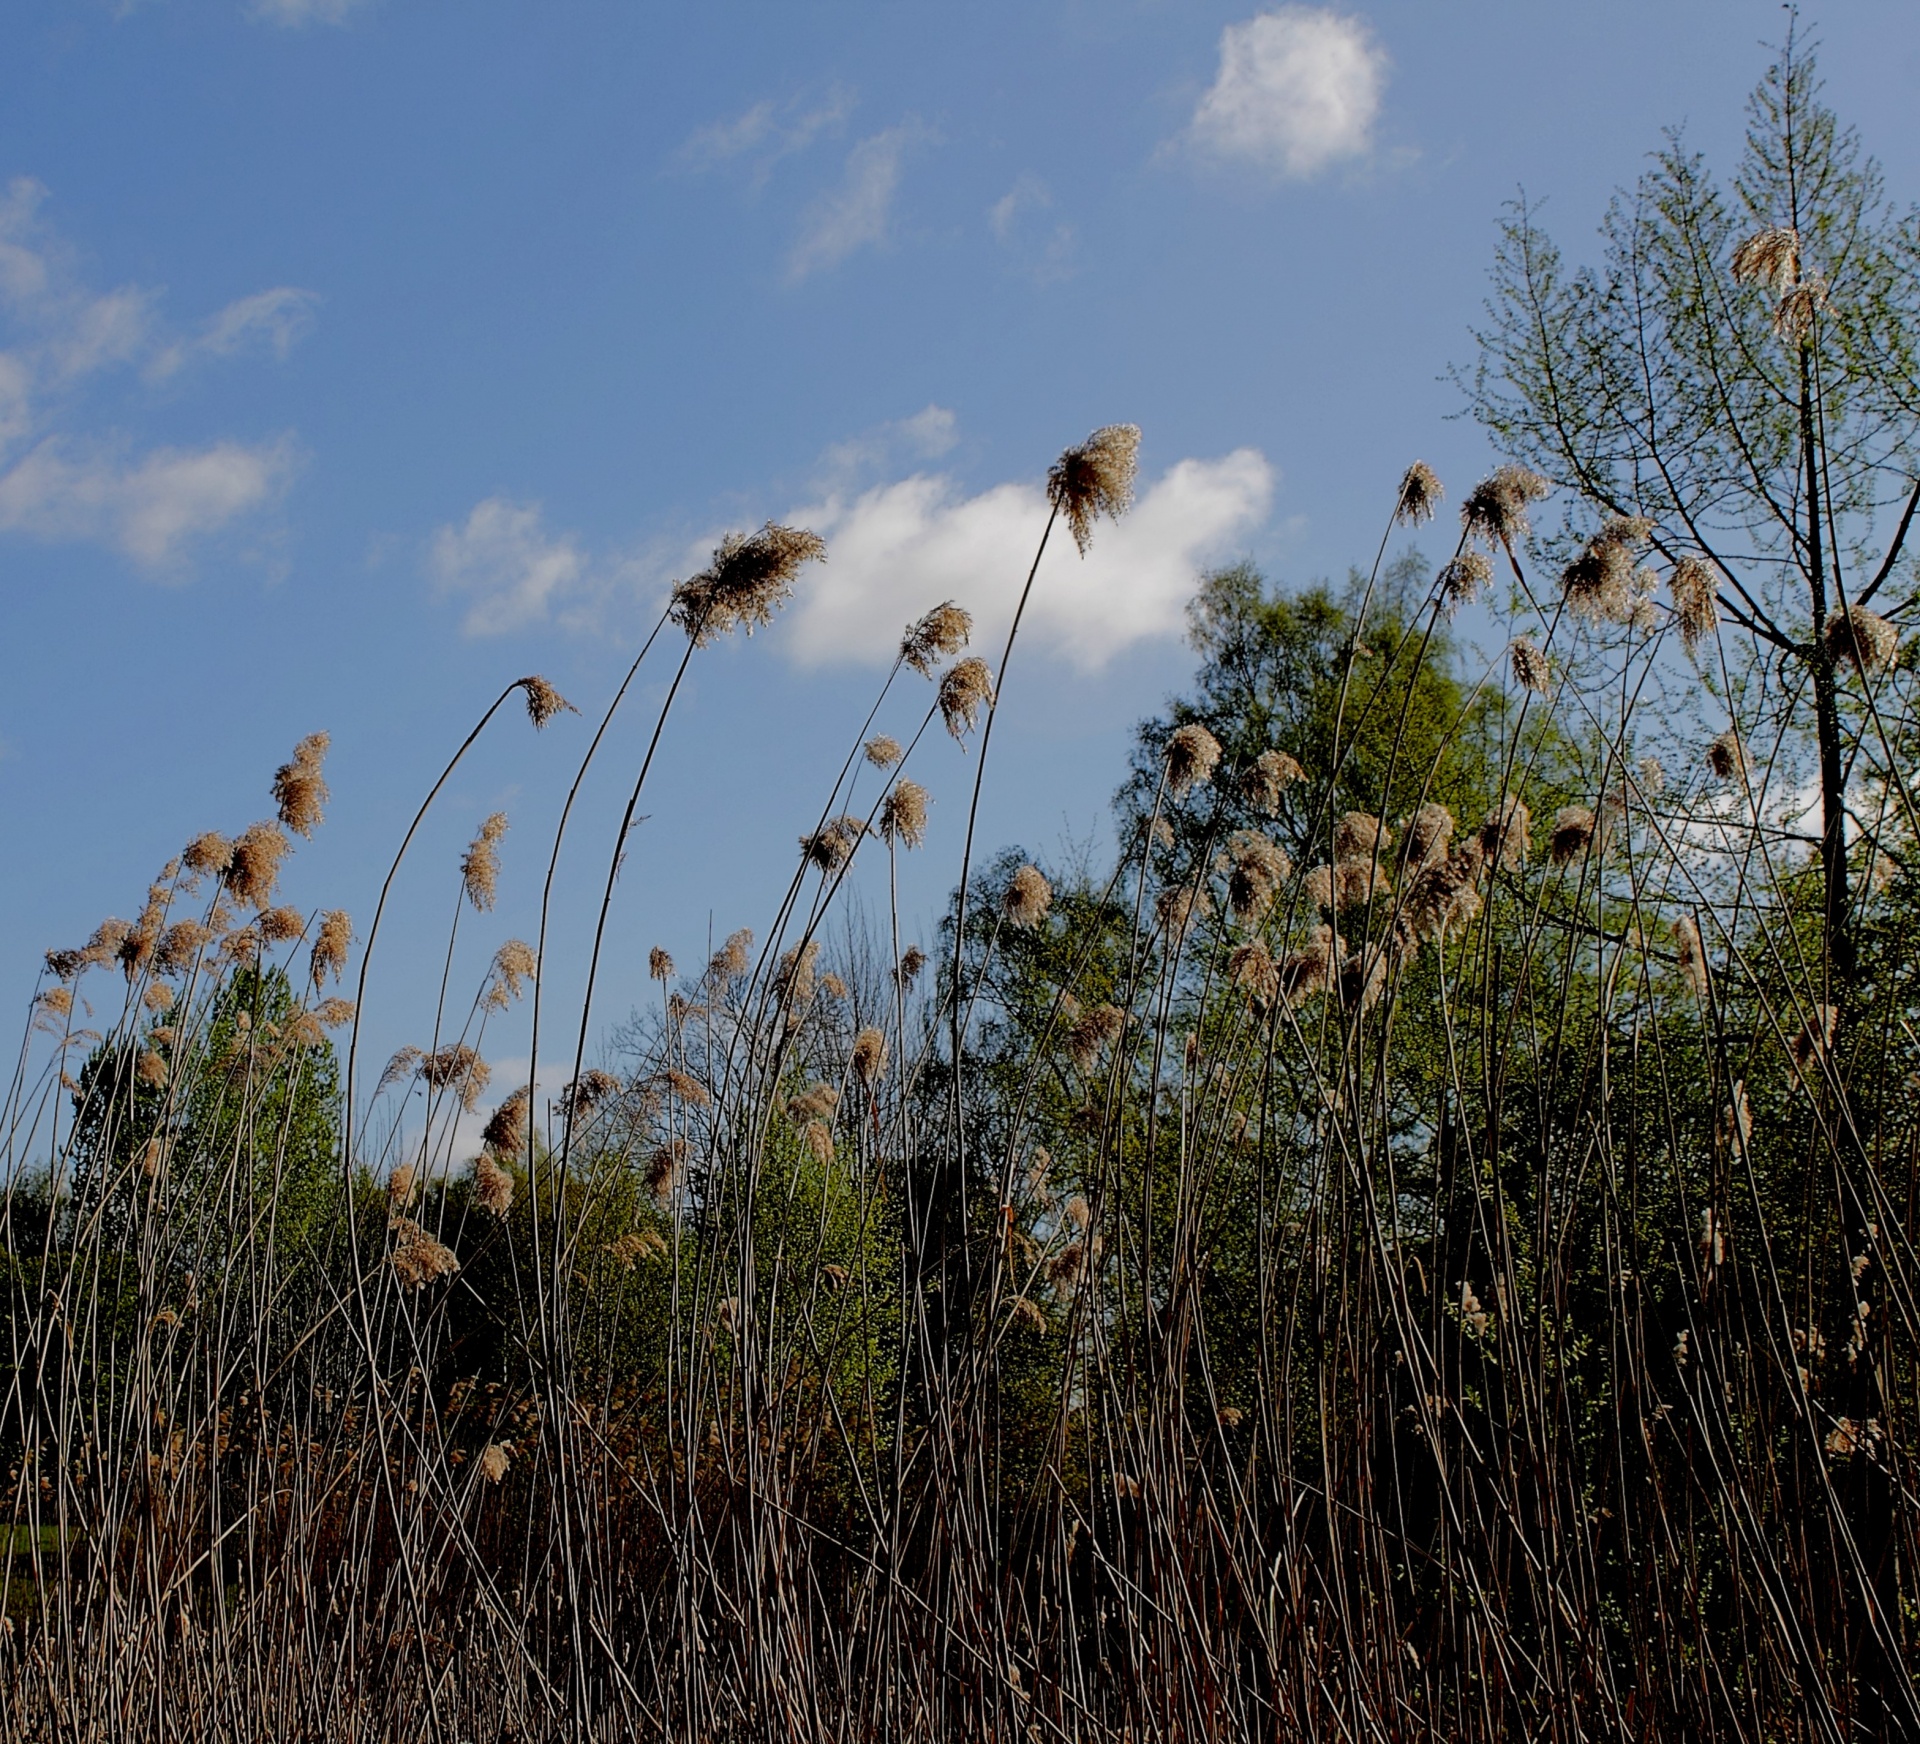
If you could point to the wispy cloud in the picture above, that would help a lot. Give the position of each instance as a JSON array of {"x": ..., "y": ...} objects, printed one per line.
[
  {"x": 1298, "y": 91},
  {"x": 504, "y": 563},
  {"x": 295, "y": 14},
  {"x": 766, "y": 133},
  {"x": 897, "y": 549},
  {"x": 60, "y": 482},
  {"x": 1022, "y": 223},
  {"x": 858, "y": 212}
]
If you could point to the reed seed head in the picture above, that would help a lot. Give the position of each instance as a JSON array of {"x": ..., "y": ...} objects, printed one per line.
[
  {"x": 794, "y": 978},
  {"x": 1794, "y": 316},
  {"x": 1258, "y": 868},
  {"x": 480, "y": 864},
  {"x": 869, "y": 1056},
  {"x": 1692, "y": 587},
  {"x": 543, "y": 701},
  {"x": 1727, "y": 757},
  {"x": 589, "y": 1091},
  {"x": 883, "y": 751},
  {"x": 419, "y": 1258},
  {"x": 659, "y": 964},
  {"x": 831, "y": 846},
  {"x": 1360, "y": 834},
  {"x": 912, "y": 961},
  {"x": 1267, "y": 778},
  {"x": 819, "y": 1137},
  {"x": 1815, "y": 1040},
  {"x": 1863, "y": 638},
  {"x": 1429, "y": 835},
  {"x": 667, "y": 1170},
  {"x": 1445, "y": 894},
  {"x": 277, "y": 925},
  {"x": 207, "y": 852},
  {"x": 1251, "y": 966},
  {"x": 1770, "y": 258},
  {"x": 1505, "y": 836},
  {"x": 1192, "y": 754},
  {"x": 459, "y": 1068},
  {"x": 1462, "y": 580},
  {"x": 750, "y": 578},
  {"x": 495, "y": 1457},
  {"x": 942, "y": 632},
  {"x": 1496, "y": 508},
  {"x": 966, "y": 685},
  {"x": 1420, "y": 491},
  {"x": 1095, "y": 479},
  {"x": 1573, "y": 829},
  {"x": 1690, "y": 954},
  {"x": 1095, "y": 1030},
  {"x": 733, "y": 958},
  {"x": 254, "y": 866},
  {"x": 330, "y": 945},
  {"x": 1027, "y": 899},
  {"x": 903, "y": 814},
  {"x": 299, "y": 789},
  {"x": 510, "y": 1125}
]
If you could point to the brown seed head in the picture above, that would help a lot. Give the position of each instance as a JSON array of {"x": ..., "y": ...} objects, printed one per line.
[
  {"x": 683, "y": 1087},
  {"x": 1462, "y": 580},
  {"x": 1862, "y": 637},
  {"x": 1444, "y": 895},
  {"x": 1095, "y": 1030},
  {"x": 299, "y": 789},
  {"x": 1770, "y": 258},
  {"x": 883, "y": 751},
  {"x": 869, "y": 1056},
  {"x": 912, "y": 961},
  {"x": 457, "y": 1067},
  {"x": 495, "y": 1456},
  {"x": 151, "y": 1069},
  {"x": 1727, "y": 757},
  {"x": 1429, "y": 835},
  {"x": 1505, "y": 836},
  {"x": 591, "y": 1089},
  {"x": 794, "y": 978},
  {"x": 1180, "y": 907},
  {"x": 832, "y": 845},
  {"x": 966, "y": 685},
  {"x": 1815, "y": 1040},
  {"x": 667, "y": 1170},
  {"x": 418, "y": 1258},
  {"x": 509, "y": 1126},
  {"x": 659, "y": 964},
  {"x": 543, "y": 701},
  {"x": 1690, "y": 954},
  {"x": 943, "y": 631},
  {"x": 1496, "y": 510},
  {"x": 903, "y": 814},
  {"x": 332, "y": 1013},
  {"x": 1359, "y": 835},
  {"x": 1692, "y": 587},
  {"x": 514, "y": 964},
  {"x": 749, "y": 579},
  {"x": 819, "y": 1137},
  {"x": 1192, "y": 753},
  {"x": 1420, "y": 490},
  {"x": 1797, "y": 311},
  {"x": 1573, "y": 828},
  {"x": 1027, "y": 899},
  {"x": 277, "y": 925},
  {"x": 1530, "y": 668},
  {"x": 733, "y": 958},
  {"x": 1095, "y": 479},
  {"x": 1259, "y": 868},
  {"x": 254, "y": 867},
  {"x": 1252, "y": 966},
  {"x": 480, "y": 864},
  {"x": 1267, "y": 778},
  {"x": 330, "y": 945}
]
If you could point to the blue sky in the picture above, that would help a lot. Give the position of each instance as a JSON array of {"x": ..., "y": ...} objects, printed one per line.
[{"x": 357, "y": 356}]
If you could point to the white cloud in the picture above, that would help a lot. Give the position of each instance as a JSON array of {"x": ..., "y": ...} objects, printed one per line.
[
  {"x": 512, "y": 572},
  {"x": 898, "y": 549},
  {"x": 297, "y": 13},
  {"x": 148, "y": 507},
  {"x": 1298, "y": 91},
  {"x": 765, "y": 134},
  {"x": 1020, "y": 224},
  {"x": 58, "y": 483},
  {"x": 856, "y": 214}
]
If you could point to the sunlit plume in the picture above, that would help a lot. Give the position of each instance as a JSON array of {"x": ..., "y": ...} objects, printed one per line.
[{"x": 1094, "y": 479}]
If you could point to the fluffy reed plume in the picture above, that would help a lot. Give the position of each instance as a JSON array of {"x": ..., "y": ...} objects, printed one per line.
[
  {"x": 1445, "y": 895},
  {"x": 253, "y": 868},
  {"x": 1420, "y": 490},
  {"x": 659, "y": 964},
  {"x": 277, "y": 925},
  {"x": 1252, "y": 966},
  {"x": 1259, "y": 868},
  {"x": 942, "y": 632},
  {"x": 53, "y": 1006},
  {"x": 1029, "y": 1313},
  {"x": 1360, "y": 834},
  {"x": 331, "y": 941},
  {"x": 667, "y": 1169},
  {"x": 543, "y": 701},
  {"x": 65, "y": 965},
  {"x": 903, "y": 814},
  {"x": 1599, "y": 583},
  {"x": 965, "y": 687},
  {"x": 1573, "y": 828},
  {"x": 509, "y": 1125},
  {"x": 480, "y": 864},
  {"x": 1770, "y": 258},
  {"x": 1095, "y": 1030},
  {"x": 1690, "y": 954},
  {"x": 181, "y": 944},
  {"x": 1496, "y": 508},
  {"x": 1506, "y": 835},
  {"x": 1346, "y": 884},
  {"x": 459, "y": 1068},
  {"x": 495, "y": 1457},
  {"x": 418, "y": 1257},
  {"x": 1692, "y": 587},
  {"x": 1846, "y": 1437},
  {"x": 1727, "y": 757},
  {"x": 1363, "y": 979},
  {"x": 869, "y": 1059},
  {"x": 637, "y": 1244},
  {"x": 793, "y": 980},
  {"x": 404, "y": 1064},
  {"x": 833, "y": 986},
  {"x": 912, "y": 961},
  {"x": 1862, "y": 637},
  {"x": 1814, "y": 1041},
  {"x": 883, "y": 751},
  {"x": 1429, "y": 835},
  {"x": 682, "y": 1087},
  {"x": 749, "y": 579},
  {"x": 831, "y": 846},
  {"x": 332, "y": 1013},
  {"x": 1192, "y": 753},
  {"x": 1179, "y": 908},
  {"x": 819, "y": 1137},
  {"x": 403, "y": 1186},
  {"x": 1267, "y": 778},
  {"x": 151, "y": 1069},
  {"x": 514, "y": 964},
  {"x": 1027, "y": 899},
  {"x": 1462, "y": 580},
  {"x": 1794, "y": 317},
  {"x": 299, "y": 789},
  {"x": 1065, "y": 1268},
  {"x": 207, "y": 852},
  {"x": 1095, "y": 479},
  {"x": 591, "y": 1089},
  {"x": 1736, "y": 1119},
  {"x": 733, "y": 958},
  {"x": 1531, "y": 669}
]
